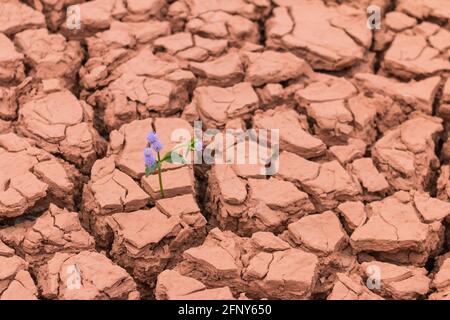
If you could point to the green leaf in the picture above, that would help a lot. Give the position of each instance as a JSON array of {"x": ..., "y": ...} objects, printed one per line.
[
  {"x": 176, "y": 158},
  {"x": 149, "y": 170},
  {"x": 190, "y": 146},
  {"x": 167, "y": 156}
]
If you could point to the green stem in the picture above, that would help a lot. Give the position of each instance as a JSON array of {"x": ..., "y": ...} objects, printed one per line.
[{"x": 161, "y": 188}]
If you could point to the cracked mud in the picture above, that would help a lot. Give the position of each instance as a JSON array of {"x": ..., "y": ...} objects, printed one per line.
[{"x": 363, "y": 179}]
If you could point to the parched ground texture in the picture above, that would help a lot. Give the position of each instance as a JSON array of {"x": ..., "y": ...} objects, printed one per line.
[{"x": 363, "y": 181}]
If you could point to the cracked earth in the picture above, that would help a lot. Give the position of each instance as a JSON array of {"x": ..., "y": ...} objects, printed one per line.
[{"x": 364, "y": 169}]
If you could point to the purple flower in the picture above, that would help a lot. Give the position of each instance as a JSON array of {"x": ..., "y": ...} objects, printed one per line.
[
  {"x": 157, "y": 145},
  {"x": 147, "y": 152},
  {"x": 152, "y": 137},
  {"x": 198, "y": 145},
  {"x": 149, "y": 159}
]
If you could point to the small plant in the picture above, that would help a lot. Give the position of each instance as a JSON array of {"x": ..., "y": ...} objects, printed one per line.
[{"x": 153, "y": 163}]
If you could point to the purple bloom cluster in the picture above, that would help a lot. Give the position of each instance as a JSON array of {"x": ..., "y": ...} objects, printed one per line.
[
  {"x": 154, "y": 145},
  {"x": 152, "y": 137},
  {"x": 157, "y": 146},
  {"x": 149, "y": 159}
]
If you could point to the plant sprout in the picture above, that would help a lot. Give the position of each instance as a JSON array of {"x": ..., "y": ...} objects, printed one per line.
[{"x": 154, "y": 145}]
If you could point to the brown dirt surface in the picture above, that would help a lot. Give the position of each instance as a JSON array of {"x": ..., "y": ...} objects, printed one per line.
[{"x": 358, "y": 207}]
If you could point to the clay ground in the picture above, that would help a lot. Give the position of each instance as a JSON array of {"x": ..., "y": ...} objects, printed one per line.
[{"x": 360, "y": 205}]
